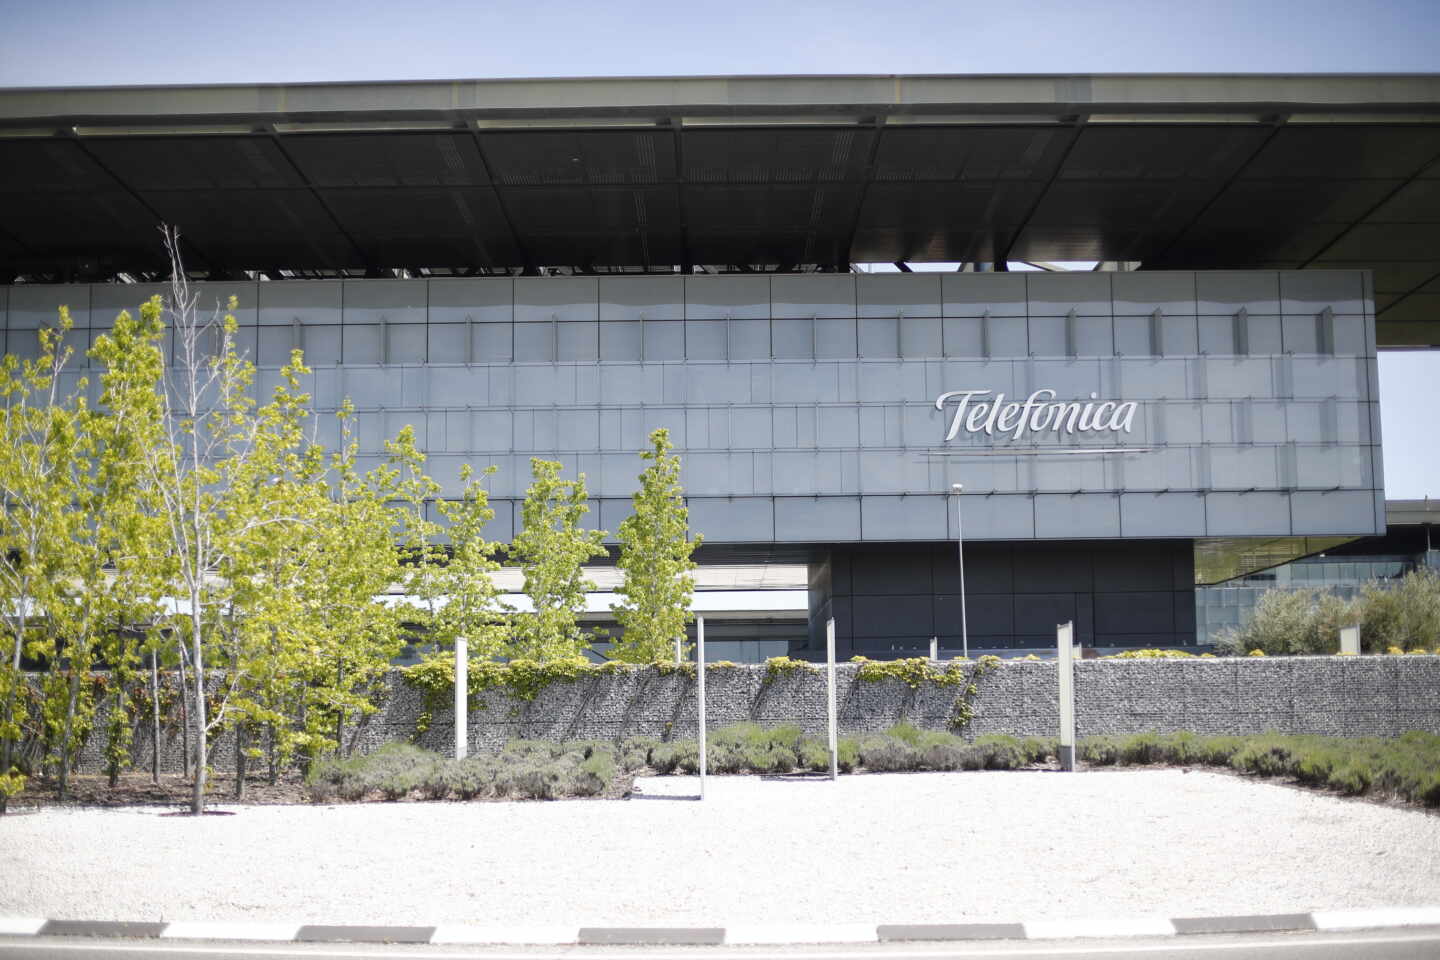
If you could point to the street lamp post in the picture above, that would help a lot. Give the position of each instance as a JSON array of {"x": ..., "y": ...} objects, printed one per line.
[{"x": 959, "y": 488}]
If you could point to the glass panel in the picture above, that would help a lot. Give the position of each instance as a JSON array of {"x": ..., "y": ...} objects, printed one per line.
[
  {"x": 494, "y": 342},
  {"x": 664, "y": 340},
  {"x": 406, "y": 343},
  {"x": 578, "y": 340},
  {"x": 749, "y": 339},
  {"x": 1047, "y": 337},
  {"x": 534, "y": 342},
  {"x": 794, "y": 339},
  {"x": 447, "y": 342},
  {"x": 620, "y": 340},
  {"x": 361, "y": 344},
  {"x": 705, "y": 340},
  {"x": 963, "y": 336},
  {"x": 879, "y": 337},
  {"x": 274, "y": 347},
  {"x": 920, "y": 337},
  {"x": 321, "y": 344},
  {"x": 835, "y": 338}
]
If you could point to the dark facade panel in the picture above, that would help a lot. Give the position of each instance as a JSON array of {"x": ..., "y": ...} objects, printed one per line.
[
  {"x": 884, "y": 604},
  {"x": 236, "y": 229},
  {"x": 776, "y": 155},
  {"x": 177, "y": 163},
  {"x": 978, "y": 153},
  {"x": 441, "y": 226},
  {"x": 579, "y": 158},
  {"x": 387, "y": 159}
]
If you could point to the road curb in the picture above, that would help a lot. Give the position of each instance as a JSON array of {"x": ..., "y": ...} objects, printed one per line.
[{"x": 1327, "y": 921}]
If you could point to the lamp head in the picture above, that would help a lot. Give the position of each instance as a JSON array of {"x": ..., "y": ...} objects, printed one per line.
[{"x": 957, "y": 487}]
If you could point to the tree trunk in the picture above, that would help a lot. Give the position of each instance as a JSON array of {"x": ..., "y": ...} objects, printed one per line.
[
  {"x": 73, "y": 694},
  {"x": 155, "y": 717},
  {"x": 340, "y": 713},
  {"x": 197, "y": 792},
  {"x": 184, "y": 686},
  {"x": 7, "y": 747},
  {"x": 239, "y": 762},
  {"x": 270, "y": 755},
  {"x": 304, "y": 755},
  {"x": 113, "y": 762}
]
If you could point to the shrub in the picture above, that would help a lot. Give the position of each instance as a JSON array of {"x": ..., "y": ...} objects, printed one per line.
[
  {"x": 682, "y": 755},
  {"x": 1040, "y": 749},
  {"x": 522, "y": 770},
  {"x": 1267, "y": 757},
  {"x": 814, "y": 754},
  {"x": 951, "y": 756},
  {"x": 474, "y": 777},
  {"x": 885, "y": 754},
  {"x": 778, "y": 667},
  {"x": 1394, "y": 618},
  {"x": 1098, "y": 751},
  {"x": 1404, "y": 615},
  {"x": 1002, "y": 752},
  {"x": 635, "y": 752},
  {"x": 593, "y": 775}
]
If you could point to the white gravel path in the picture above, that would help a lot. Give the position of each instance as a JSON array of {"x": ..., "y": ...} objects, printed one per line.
[{"x": 877, "y": 848}]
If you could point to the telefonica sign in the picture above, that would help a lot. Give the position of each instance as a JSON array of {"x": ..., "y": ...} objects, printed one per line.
[{"x": 978, "y": 411}]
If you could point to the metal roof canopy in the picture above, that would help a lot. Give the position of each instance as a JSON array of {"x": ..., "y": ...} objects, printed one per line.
[{"x": 476, "y": 176}]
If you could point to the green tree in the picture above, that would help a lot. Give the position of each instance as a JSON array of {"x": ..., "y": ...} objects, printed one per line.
[
  {"x": 358, "y": 633},
  {"x": 655, "y": 556},
  {"x": 468, "y": 603},
  {"x": 40, "y": 437},
  {"x": 104, "y": 606},
  {"x": 264, "y": 634},
  {"x": 205, "y": 469},
  {"x": 551, "y": 549},
  {"x": 1404, "y": 615}
]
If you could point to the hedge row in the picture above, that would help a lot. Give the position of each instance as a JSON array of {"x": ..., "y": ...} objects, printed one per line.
[{"x": 1406, "y": 768}]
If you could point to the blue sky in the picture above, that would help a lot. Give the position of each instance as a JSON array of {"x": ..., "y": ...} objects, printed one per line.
[
  {"x": 78, "y": 42},
  {"x": 66, "y": 42}
]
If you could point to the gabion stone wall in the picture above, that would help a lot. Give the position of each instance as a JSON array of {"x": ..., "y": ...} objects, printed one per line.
[{"x": 1337, "y": 696}]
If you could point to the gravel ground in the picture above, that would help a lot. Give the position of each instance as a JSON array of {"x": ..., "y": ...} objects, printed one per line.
[{"x": 875, "y": 848}]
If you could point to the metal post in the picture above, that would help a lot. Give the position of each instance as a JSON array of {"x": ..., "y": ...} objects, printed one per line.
[
  {"x": 934, "y": 648},
  {"x": 959, "y": 488},
  {"x": 462, "y": 722},
  {"x": 1350, "y": 640},
  {"x": 831, "y": 719},
  {"x": 1065, "y": 642},
  {"x": 678, "y": 648},
  {"x": 700, "y": 693}
]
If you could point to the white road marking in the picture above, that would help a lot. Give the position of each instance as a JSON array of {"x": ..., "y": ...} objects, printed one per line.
[
  {"x": 953, "y": 948},
  {"x": 20, "y": 926},
  {"x": 537, "y": 934},
  {"x": 766, "y": 933},
  {"x": 1100, "y": 927},
  {"x": 1333, "y": 920}
]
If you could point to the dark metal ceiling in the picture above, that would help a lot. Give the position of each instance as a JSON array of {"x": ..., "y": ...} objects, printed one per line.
[{"x": 1197, "y": 172}]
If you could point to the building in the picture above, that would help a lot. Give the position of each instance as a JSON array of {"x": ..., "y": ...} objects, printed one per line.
[
  {"x": 553, "y": 268},
  {"x": 1407, "y": 544}
]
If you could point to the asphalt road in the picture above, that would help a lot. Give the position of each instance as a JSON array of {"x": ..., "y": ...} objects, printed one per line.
[{"x": 1403, "y": 944}]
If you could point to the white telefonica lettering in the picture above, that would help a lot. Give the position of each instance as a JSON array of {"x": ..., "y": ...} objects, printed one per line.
[
  {"x": 1037, "y": 413},
  {"x": 1067, "y": 414},
  {"x": 965, "y": 396},
  {"x": 975, "y": 422}
]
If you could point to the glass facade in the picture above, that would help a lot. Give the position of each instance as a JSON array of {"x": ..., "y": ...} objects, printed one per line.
[
  {"x": 804, "y": 405},
  {"x": 1230, "y": 605}
]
